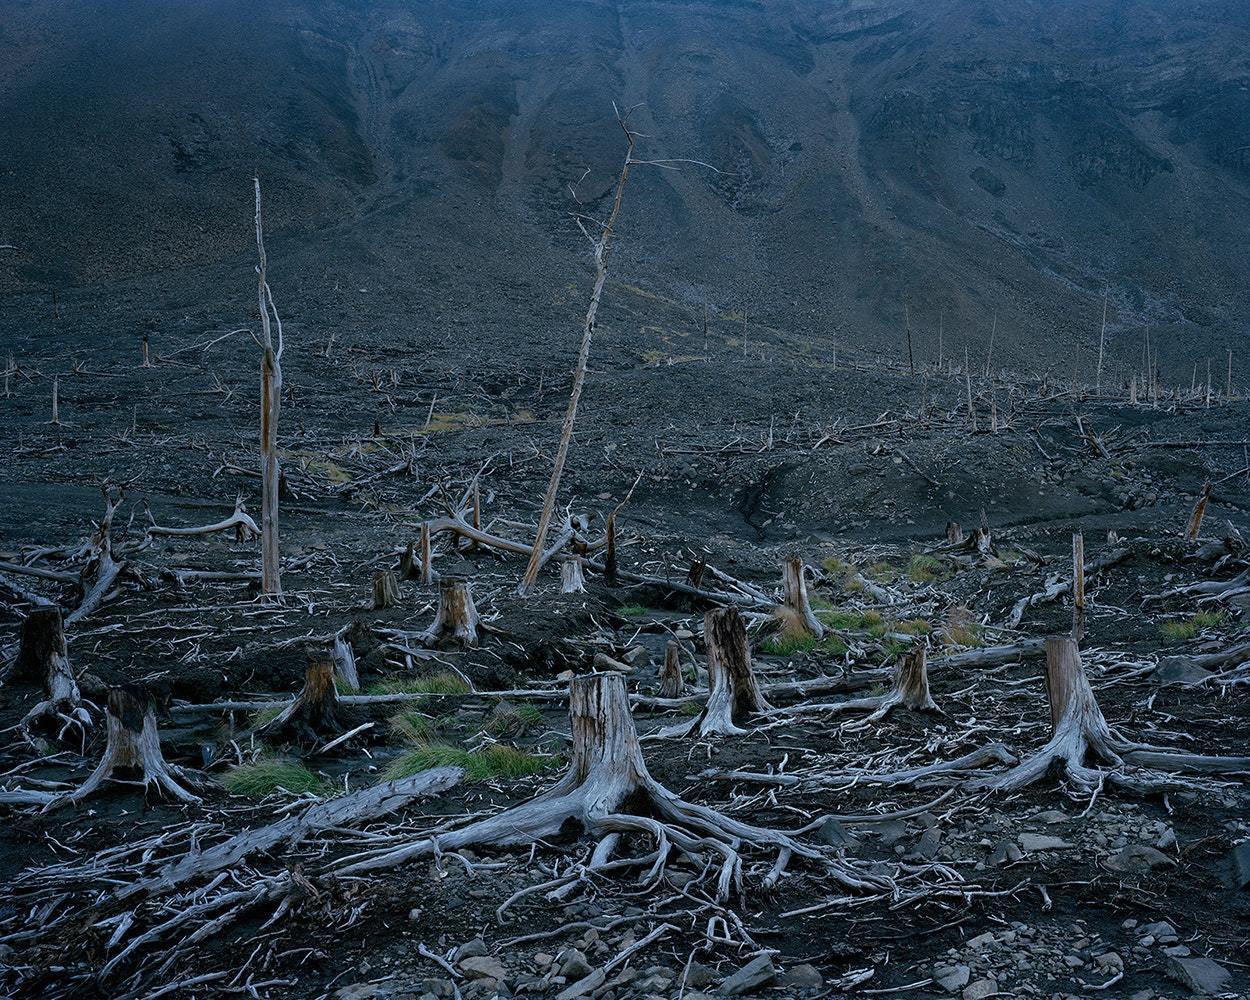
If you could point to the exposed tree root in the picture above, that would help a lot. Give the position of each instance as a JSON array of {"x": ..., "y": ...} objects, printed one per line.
[
  {"x": 1082, "y": 737},
  {"x": 607, "y": 775},
  {"x": 240, "y": 522},
  {"x": 135, "y": 747}
]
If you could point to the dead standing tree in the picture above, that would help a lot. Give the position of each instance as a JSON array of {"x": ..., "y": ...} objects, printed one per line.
[
  {"x": 600, "y": 245},
  {"x": 270, "y": 404},
  {"x": 733, "y": 691}
]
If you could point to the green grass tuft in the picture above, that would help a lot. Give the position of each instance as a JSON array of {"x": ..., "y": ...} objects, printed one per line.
[
  {"x": 927, "y": 569},
  {"x": 491, "y": 762},
  {"x": 1187, "y": 628},
  {"x": 508, "y": 719},
  {"x": 444, "y": 683},
  {"x": 268, "y": 775},
  {"x": 632, "y": 610}
]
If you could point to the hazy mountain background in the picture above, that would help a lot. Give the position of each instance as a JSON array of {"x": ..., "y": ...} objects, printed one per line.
[{"x": 959, "y": 156}]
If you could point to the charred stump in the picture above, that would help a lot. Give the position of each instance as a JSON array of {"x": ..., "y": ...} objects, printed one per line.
[
  {"x": 314, "y": 714},
  {"x": 385, "y": 589},
  {"x": 42, "y": 655}
]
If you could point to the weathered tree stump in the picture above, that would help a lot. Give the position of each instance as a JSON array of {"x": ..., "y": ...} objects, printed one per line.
[
  {"x": 733, "y": 692},
  {"x": 796, "y": 614},
  {"x": 911, "y": 685},
  {"x": 671, "y": 682},
  {"x": 1200, "y": 508},
  {"x": 385, "y": 589},
  {"x": 457, "y": 621},
  {"x": 42, "y": 655},
  {"x": 608, "y": 792},
  {"x": 954, "y": 533},
  {"x": 572, "y": 579},
  {"x": 134, "y": 750},
  {"x": 426, "y": 572},
  {"x": 345, "y": 664},
  {"x": 314, "y": 714}
]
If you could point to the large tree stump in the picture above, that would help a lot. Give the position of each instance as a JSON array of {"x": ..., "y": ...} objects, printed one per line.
[
  {"x": 42, "y": 655},
  {"x": 671, "y": 681},
  {"x": 796, "y": 614},
  {"x": 134, "y": 751},
  {"x": 457, "y": 621},
  {"x": 314, "y": 714},
  {"x": 911, "y": 685},
  {"x": 609, "y": 793},
  {"x": 733, "y": 692}
]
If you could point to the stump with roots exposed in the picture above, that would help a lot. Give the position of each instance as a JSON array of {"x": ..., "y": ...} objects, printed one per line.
[
  {"x": 911, "y": 686},
  {"x": 609, "y": 793},
  {"x": 42, "y": 656},
  {"x": 385, "y": 589},
  {"x": 456, "y": 621},
  {"x": 796, "y": 614},
  {"x": 134, "y": 752},
  {"x": 733, "y": 692},
  {"x": 572, "y": 579},
  {"x": 1082, "y": 740},
  {"x": 314, "y": 714},
  {"x": 671, "y": 682}
]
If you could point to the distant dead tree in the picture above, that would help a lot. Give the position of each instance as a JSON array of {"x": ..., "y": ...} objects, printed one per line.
[
  {"x": 270, "y": 404},
  {"x": 599, "y": 245}
]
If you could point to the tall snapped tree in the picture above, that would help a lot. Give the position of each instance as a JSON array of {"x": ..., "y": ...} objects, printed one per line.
[
  {"x": 270, "y": 403},
  {"x": 599, "y": 244}
]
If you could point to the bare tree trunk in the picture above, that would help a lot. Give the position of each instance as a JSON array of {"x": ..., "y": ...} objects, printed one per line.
[
  {"x": 796, "y": 612},
  {"x": 1078, "y": 586},
  {"x": 456, "y": 621},
  {"x": 428, "y": 576},
  {"x": 345, "y": 664},
  {"x": 270, "y": 405},
  {"x": 600, "y": 246},
  {"x": 610, "y": 567},
  {"x": 671, "y": 682}
]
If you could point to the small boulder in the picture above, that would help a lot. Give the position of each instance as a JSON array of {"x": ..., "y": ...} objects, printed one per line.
[
  {"x": 1030, "y": 842},
  {"x": 758, "y": 972},
  {"x": 1201, "y": 975}
]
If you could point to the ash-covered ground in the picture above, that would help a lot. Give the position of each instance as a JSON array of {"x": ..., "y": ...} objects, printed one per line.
[{"x": 736, "y": 458}]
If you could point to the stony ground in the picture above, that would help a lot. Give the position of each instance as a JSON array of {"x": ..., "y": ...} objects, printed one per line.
[{"x": 736, "y": 457}]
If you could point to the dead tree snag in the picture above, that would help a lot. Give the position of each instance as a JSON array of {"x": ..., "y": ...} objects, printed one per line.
[
  {"x": 796, "y": 614},
  {"x": 456, "y": 621},
  {"x": 1195, "y": 519},
  {"x": 270, "y": 405},
  {"x": 42, "y": 655},
  {"x": 600, "y": 244},
  {"x": 134, "y": 749}
]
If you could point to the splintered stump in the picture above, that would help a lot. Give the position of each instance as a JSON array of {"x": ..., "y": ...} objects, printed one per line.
[
  {"x": 133, "y": 753},
  {"x": 385, "y": 589},
  {"x": 314, "y": 714},
  {"x": 1194, "y": 526},
  {"x": 733, "y": 692},
  {"x": 671, "y": 684},
  {"x": 911, "y": 686},
  {"x": 572, "y": 579},
  {"x": 1082, "y": 740},
  {"x": 42, "y": 656},
  {"x": 609, "y": 794},
  {"x": 796, "y": 614},
  {"x": 457, "y": 621}
]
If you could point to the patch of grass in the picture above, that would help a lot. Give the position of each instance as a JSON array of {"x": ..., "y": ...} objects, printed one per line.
[
  {"x": 882, "y": 572},
  {"x": 912, "y": 626},
  {"x": 927, "y": 569},
  {"x": 262, "y": 716},
  {"x": 632, "y": 610},
  {"x": 508, "y": 719},
  {"x": 1187, "y": 628},
  {"x": 270, "y": 774},
  {"x": 496, "y": 761},
  {"x": 690, "y": 708},
  {"x": 444, "y": 683},
  {"x": 787, "y": 645}
]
